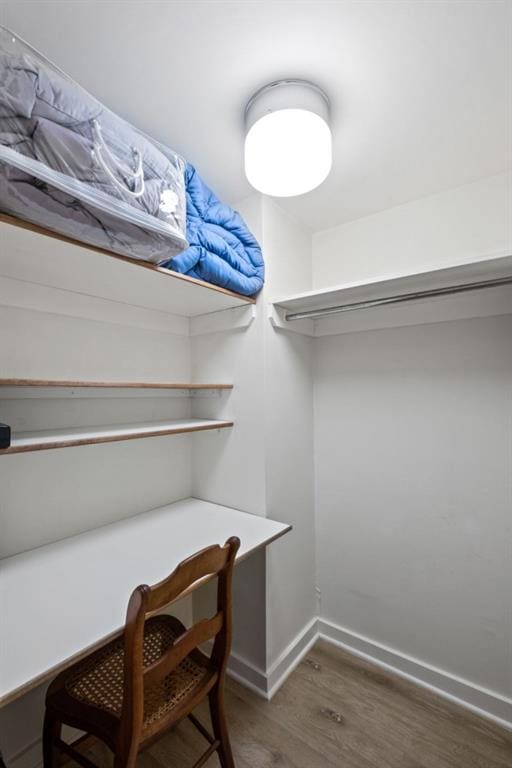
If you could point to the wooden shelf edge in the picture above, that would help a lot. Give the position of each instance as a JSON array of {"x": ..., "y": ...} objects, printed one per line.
[
  {"x": 76, "y": 384},
  {"x": 8, "y": 219},
  {"x": 75, "y": 442}
]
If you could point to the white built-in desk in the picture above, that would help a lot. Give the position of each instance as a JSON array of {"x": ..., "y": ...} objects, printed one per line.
[{"x": 59, "y": 601}]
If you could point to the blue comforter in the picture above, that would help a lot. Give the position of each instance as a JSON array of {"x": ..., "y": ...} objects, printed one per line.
[{"x": 222, "y": 249}]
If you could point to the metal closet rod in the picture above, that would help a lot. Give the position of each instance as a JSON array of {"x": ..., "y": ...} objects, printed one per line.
[{"x": 399, "y": 298}]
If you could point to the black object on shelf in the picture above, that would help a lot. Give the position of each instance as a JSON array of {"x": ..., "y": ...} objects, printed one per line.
[{"x": 5, "y": 435}]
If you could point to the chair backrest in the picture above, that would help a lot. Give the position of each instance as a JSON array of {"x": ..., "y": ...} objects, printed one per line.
[{"x": 215, "y": 561}]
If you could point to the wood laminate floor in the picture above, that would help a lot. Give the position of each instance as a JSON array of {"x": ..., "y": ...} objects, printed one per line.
[{"x": 337, "y": 711}]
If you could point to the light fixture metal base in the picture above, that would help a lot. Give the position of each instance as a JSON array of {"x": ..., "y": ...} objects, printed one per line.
[{"x": 287, "y": 94}]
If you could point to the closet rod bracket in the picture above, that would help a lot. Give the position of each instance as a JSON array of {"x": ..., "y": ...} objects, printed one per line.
[{"x": 278, "y": 319}]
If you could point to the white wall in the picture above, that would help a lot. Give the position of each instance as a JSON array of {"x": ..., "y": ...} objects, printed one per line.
[
  {"x": 470, "y": 222},
  {"x": 265, "y": 464},
  {"x": 413, "y": 463},
  {"x": 72, "y": 490},
  {"x": 414, "y": 492},
  {"x": 288, "y": 440},
  {"x": 232, "y": 472}
]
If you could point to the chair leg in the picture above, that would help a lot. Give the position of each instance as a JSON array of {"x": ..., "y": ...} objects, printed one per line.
[
  {"x": 51, "y": 732},
  {"x": 220, "y": 728}
]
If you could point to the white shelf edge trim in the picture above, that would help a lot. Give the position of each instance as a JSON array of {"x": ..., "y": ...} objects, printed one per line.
[
  {"x": 21, "y": 392},
  {"x": 494, "y": 265},
  {"x": 41, "y": 440},
  {"x": 89, "y": 596},
  {"x": 460, "y": 300}
]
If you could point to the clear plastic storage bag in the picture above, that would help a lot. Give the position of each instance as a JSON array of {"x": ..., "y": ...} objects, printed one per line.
[{"x": 69, "y": 164}]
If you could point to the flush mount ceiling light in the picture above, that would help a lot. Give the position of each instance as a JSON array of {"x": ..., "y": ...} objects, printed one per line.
[{"x": 288, "y": 147}]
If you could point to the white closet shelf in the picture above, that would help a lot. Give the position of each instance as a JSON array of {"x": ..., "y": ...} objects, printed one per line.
[
  {"x": 401, "y": 299},
  {"x": 38, "y": 255},
  {"x": 77, "y": 384},
  {"x": 22, "y": 442},
  {"x": 75, "y": 591}
]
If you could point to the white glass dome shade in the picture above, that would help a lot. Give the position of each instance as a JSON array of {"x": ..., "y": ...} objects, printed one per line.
[{"x": 288, "y": 145}]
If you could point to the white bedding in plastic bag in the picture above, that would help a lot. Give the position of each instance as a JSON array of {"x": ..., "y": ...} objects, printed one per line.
[{"x": 69, "y": 164}]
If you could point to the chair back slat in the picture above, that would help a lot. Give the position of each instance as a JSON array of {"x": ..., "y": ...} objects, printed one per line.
[
  {"x": 208, "y": 562},
  {"x": 200, "y": 633}
]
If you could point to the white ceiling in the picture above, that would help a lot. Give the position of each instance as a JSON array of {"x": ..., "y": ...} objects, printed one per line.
[{"x": 421, "y": 91}]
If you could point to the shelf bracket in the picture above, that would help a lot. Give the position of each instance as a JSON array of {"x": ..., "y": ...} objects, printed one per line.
[
  {"x": 223, "y": 320},
  {"x": 207, "y": 394}
]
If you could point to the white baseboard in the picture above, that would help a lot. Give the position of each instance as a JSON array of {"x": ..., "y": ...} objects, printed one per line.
[
  {"x": 291, "y": 657},
  {"x": 266, "y": 684},
  {"x": 482, "y": 701},
  {"x": 248, "y": 675},
  {"x": 31, "y": 756}
]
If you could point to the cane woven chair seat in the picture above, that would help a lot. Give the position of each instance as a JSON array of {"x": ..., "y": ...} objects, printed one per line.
[{"x": 98, "y": 680}]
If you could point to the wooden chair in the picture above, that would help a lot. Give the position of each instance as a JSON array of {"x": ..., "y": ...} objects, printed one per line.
[{"x": 144, "y": 682}]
